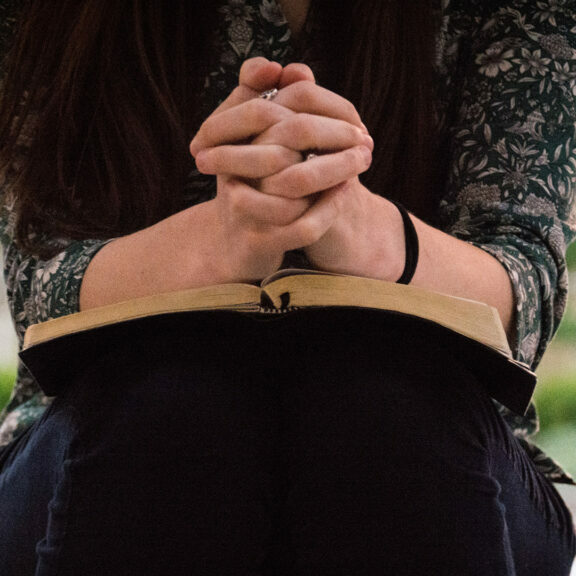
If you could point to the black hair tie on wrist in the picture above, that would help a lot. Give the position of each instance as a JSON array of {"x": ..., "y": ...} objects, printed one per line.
[{"x": 411, "y": 243}]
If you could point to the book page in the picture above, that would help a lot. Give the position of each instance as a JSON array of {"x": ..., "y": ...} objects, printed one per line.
[
  {"x": 241, "y": 297},
  {"x": 472, "y": 319}
]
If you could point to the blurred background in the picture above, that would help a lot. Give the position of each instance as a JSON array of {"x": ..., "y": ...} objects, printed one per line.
[
  {"x": 8, "y": 346},
  {"x": 555, "y": 396},
  {"x": 556, "y": 391}
]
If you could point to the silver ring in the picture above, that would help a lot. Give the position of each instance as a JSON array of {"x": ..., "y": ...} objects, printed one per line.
[{"x": 269, "y": 94}]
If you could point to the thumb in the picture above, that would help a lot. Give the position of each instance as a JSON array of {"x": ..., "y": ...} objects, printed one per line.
[
  {"x": 295, "y": 73},
  {"x": 259, "y": 74},
  {"x": 256, "y": 75}
]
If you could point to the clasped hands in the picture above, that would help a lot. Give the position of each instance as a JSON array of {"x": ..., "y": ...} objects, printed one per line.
[{"x": 270, "y": 200}]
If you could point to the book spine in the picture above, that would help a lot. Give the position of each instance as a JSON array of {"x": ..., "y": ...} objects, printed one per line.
[{"x": 277, "y": 311}]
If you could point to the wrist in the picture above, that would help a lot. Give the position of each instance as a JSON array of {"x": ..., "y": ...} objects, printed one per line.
[{"x": 389, "y": 251}]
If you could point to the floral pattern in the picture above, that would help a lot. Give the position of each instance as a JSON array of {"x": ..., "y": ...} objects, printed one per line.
[{"x": 507, "y": 89}]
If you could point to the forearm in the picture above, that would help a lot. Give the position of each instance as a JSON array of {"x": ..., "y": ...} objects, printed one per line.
[
  {"x": 162, "y": 258},
  {"x": 239, "y": 236},
  {"x": 368, "y": 240},
  {"x": 447, "y": 264}
]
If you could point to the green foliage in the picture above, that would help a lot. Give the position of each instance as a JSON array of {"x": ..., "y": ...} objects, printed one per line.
[
  {"x": 567, "y": 329},
  {"x": 571, "y": 256},
  {"x": 7, "y": 376},
  {"x": 556, "y": 400},
  {"x": 558, "y": 442}
]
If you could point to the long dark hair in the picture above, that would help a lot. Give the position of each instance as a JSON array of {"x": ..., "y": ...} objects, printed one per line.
[{"x": 100, "y": 94}]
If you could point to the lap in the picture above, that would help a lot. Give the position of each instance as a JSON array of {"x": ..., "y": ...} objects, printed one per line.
[{"x": 297, "y": 449}]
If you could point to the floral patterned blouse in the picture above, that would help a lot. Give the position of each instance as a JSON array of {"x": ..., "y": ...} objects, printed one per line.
[{"x": 506, "y": 74}]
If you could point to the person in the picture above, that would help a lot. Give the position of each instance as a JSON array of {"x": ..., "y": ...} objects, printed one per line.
[{"x": 152, "y": 147}]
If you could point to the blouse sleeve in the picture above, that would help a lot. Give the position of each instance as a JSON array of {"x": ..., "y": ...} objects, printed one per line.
[
  {"x": 40, "y": 289},
  {"x": 513, "y": 155}
]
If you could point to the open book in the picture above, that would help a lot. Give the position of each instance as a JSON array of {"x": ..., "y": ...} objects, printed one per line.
[{"x": 472, "y": 327}]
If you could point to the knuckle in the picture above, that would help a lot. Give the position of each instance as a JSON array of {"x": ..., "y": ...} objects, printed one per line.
[
  {"x": 202, "y": 162},
  {"x": 353, "y": 158},
  {"x": 353, "y": 134},
  {"x": 363, "y": 158},
  {"x": 349, "y": 109},
  {"x": 307, "y": 232},
  {"x": 235, "y": 198}
]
